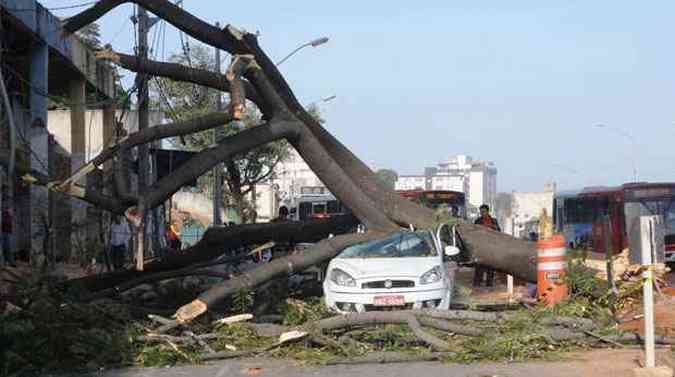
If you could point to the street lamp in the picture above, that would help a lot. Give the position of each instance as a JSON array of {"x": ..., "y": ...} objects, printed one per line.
[
  {"x": 628, "y": 136},
  {"x": 314, "y": 43},
  {"x": 322, "y": 100}
]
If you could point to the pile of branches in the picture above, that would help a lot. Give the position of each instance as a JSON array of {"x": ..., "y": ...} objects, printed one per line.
[{"x": 320, "y": 337}]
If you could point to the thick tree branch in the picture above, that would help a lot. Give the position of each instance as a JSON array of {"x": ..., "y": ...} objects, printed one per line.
[
  {"x": 219, "y": 240},
  {"x": 318, "y": 253},
  {"x": 156, "y": 133},
  {"x": 227, "y": 39},
  {"x": 207, "y": 159},
  {"x": 239, "y": 65},
  {"x": 35, "y": 177},
  {"x": 179, "y": 72}
]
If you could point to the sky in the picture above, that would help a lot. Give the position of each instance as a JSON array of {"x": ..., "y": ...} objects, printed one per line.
[{"x": 521, "y": 83}]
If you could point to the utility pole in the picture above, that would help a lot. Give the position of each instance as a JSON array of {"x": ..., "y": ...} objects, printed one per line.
[
  {"x": 143, "y": 23},
  {"x": 218, "y": 169}
]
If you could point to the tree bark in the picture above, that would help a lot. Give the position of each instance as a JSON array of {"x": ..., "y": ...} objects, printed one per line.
[
  {"x": 322, "y": 251},
  {"x": 179, "y": 72},
  {"x": 218, "y": 240},
  {"x": 207, "y": 159}
]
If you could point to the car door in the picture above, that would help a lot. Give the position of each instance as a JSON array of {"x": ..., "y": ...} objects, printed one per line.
[{"x": 446, "y": 236}]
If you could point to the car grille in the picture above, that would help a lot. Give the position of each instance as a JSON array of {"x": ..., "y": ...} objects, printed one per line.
[
  {"x": 374, "y": 308},
  {"x": 394, "y": 284}
]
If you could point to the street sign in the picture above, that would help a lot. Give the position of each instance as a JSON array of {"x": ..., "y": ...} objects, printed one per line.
[{"x": 636, "y": 241}]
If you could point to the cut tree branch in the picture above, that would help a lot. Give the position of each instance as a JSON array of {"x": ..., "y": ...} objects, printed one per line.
[
  {"x": 207, "y": 159},
  {"x": 179, "y": 72},
  {"x": 318, "y": 253},
  {"x": 219, "y": 240}
]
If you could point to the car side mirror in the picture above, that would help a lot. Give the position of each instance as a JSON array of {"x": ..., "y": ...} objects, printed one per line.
[{"x": 451, "y": 251}]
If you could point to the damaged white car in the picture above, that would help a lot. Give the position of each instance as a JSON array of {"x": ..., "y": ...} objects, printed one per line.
[{"x": 405, "y": 270}]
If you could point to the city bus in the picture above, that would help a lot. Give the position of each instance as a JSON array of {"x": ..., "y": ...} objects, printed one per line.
[
  {"x": 314, "y": 202},
  {"x": 436, "y": 198},
  {"x": 582, "y": 216}
]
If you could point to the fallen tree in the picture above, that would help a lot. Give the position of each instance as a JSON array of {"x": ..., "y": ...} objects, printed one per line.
[{"x": 253, "y": 75}]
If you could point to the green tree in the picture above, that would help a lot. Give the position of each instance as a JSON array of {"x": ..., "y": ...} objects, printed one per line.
[
  {"x": 90, "y": 35},
  {"x": 180, "y": 101},
  {"x": 387, "y": 177}
]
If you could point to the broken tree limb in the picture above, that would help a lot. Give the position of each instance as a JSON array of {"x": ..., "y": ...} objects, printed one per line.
[
  {"x": 169, "y": 12},
  {"x": 390, "y": 357},
  {"x": 183, "y": 73},
  {"x": 380, "y": 318},
  {"x": 218, "y": 240},
  {"x": 239, "y": 65},
  {"x": 316, "y": 254},
  {"x": 149, "y": 278},
  {"x": 500, "y": 251},
  {"x": 444, "y": 325},
  {"x": 205, "y": 160}
]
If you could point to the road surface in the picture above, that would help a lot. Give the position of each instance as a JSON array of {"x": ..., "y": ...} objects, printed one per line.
[{"x": 602, "y": 363}]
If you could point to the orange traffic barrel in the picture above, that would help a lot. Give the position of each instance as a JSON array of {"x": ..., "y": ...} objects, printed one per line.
[{"x": 551, "y": 269}]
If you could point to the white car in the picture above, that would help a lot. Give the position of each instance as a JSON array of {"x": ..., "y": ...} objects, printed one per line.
[{"x": 405, "y": 270}]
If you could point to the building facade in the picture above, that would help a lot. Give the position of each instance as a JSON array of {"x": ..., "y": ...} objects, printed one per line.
[
  {"x": 476, "y": 179},
  {"x": 40, "y": 61}
]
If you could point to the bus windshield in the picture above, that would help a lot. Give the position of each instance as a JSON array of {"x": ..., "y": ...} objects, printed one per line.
[{"x": 664, "y": 207}]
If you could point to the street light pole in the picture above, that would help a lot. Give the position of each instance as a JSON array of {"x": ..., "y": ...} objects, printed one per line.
[
  {"x": 630, "y": 137},
  {"x": 314, "y": 43}
]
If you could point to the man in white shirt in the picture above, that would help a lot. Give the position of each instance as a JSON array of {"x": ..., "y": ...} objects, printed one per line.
[{"x": 119, "y": 240}]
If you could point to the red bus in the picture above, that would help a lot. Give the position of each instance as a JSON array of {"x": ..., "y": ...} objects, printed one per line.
[
  {"x": 437, "y": 198},
  {"x": 582, "y": 215}
]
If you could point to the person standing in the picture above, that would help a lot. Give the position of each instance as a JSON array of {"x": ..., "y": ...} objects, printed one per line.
[
  {"x": 7, "y": 251},
  {"x": 119, "y": 241},
  {"x": 481, "y": 271},
  {"x": 173, "y": 238}
]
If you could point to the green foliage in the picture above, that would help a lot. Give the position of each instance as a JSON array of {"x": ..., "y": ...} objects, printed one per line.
[
  {"x": 387, "y": 177},
  {"x": 51, "y": 332},
  {"x": 242, "y": 301},
  {"x": 240, "y": 336},
  {"x": 298, "y": 312}
]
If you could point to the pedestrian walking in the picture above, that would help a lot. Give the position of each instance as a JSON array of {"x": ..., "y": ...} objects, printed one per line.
[
  {"x": 481, "y": 272},
  {"x": 119, "y": 241}
]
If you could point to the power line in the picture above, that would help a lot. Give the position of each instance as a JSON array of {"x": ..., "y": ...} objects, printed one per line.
[{"x": 82, "y": 5}]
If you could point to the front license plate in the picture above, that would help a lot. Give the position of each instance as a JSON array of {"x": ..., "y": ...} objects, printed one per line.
[{"x": 389, "y": 301}]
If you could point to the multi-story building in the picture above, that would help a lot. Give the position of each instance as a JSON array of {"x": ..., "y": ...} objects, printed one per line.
[
  {"x": 477, "y": 179},
  {"x": 42, "y": 61},
  {"x": 292, "y": 174}
]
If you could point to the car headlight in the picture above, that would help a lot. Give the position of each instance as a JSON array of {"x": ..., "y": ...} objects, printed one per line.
[
  {"x": 342, "y": 278},
  {"x": 431, "y": 276}
]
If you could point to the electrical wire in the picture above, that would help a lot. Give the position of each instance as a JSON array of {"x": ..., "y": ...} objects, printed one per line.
[{"x": 82, "y": 5}]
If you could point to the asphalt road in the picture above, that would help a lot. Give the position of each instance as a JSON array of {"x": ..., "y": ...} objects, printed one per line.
[{"x": 278, "y": 368}]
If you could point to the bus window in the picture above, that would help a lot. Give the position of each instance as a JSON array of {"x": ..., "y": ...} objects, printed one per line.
[
  {"x": 333, "y": 207},
  {"x": 319, "y": 208},
  {"x": 305, "y": 210}
]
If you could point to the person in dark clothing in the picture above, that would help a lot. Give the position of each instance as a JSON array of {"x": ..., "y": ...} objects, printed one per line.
[
  {"x": 283, "y": 215},
  {"x": 8, "y": 253},
  {"x": 485, "y": 220}
]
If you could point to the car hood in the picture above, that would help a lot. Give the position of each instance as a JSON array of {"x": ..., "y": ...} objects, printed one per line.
[{"x": 360, "y": 268}]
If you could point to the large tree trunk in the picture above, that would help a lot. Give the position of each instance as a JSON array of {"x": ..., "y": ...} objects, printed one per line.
[{"x": 344, "y": 174}]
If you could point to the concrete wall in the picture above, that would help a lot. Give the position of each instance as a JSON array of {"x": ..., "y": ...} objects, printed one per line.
[
  {"x": 36, "y": 19},
  {"x": 59, "y": 125}
]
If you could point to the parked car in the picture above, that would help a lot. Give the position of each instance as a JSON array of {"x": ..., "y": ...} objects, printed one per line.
[{"x": 405, "y": 270}]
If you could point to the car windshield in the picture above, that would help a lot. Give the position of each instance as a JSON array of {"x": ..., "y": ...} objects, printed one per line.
[{"x": 397, "y": 245}]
